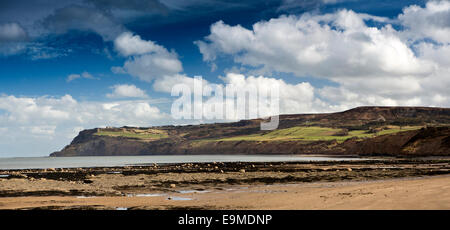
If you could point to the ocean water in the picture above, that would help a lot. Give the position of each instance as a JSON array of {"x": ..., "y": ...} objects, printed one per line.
[{"x": 113, "y": 161}]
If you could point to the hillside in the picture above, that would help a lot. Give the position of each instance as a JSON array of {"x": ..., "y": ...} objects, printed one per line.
[{"x": 406, "y": 131}]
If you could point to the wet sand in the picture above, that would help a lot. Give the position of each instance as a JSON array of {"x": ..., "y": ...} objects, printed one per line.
[{"x": 378, "y": 184}]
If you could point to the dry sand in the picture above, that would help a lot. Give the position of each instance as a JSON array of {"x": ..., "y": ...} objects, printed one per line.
[{"x": 411, "y": 193}]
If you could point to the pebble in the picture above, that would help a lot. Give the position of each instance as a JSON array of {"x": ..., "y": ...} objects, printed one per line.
[
  {"x": 242, "y": 170},
  {"x": 349, "y": 169},
  {"x": 173, "y": 185}
]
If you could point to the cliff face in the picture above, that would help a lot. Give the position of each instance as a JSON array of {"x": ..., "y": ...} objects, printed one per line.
[
  {"x": 431, "y": 141},
  {"x": 212, "y": 138}
]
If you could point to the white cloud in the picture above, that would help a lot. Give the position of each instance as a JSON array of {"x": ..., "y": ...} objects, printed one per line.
[
  {"x": 166, "y": 83},
  {"x": 147, "y": 60},
  {"x": 432, "y": 21},
  {"x": 42, "y": 130},
  {"x": 50, "y": 123},
  {"x": 371, "y": 65},
  {"x": 85, "y": 75},
  {"x": 126, "y": 91},
  {"x": 304, "y": 45},
  {"x": 128, "y": 44},
  {"x": 293, "y": 98}
]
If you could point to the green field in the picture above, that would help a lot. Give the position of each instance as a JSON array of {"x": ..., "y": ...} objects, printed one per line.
[
  {"x": 130, "y": 134},
  {"x": 312, "y": 133}
]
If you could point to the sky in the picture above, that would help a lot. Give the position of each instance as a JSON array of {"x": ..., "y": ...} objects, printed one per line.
[{"x": 69, "y": 65}]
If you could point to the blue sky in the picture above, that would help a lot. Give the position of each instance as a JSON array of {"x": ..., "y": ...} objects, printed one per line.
[{"x": 64, "y": 67}]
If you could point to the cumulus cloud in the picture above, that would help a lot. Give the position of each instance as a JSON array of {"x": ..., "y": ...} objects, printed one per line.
[
  {"x": 372, "y": 65},
  {"x": 51, "y": 122},
  {"x": 432, "y": 21},
  {"x": 146, "y": 60},
  {"x": 128, "y": 44},
  {"x": 126, "y": 91},
  {"x": 342, "y": 42},
  {"x": 165, "y": 83},
  {"x": 53, "y": 111},
  {"x": 293, "y": 98}
]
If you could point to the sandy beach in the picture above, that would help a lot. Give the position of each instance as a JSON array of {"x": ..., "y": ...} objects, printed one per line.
[{"x": 380, "y": 184}]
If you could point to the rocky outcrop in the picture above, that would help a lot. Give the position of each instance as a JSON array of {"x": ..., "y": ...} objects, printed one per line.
[{"x": 431, "y": 141}]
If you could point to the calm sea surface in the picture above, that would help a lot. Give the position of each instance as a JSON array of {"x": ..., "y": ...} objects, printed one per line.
[{"x": 111, "y": 161}]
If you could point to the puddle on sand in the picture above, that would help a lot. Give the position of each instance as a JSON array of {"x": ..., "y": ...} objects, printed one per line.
[
  {"x": 121, "y": 208},
  {"x": 192, "y": 191},
  {"x": 178, "y": 198},
  {"x": 4, "y": 175},
  {"x": 158, "y": 194},
  {"x": 114, "y": 172},
  {"x": 145, "y": 195}
]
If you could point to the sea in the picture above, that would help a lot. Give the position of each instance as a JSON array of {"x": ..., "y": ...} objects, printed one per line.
[{"x": 118, "y": 161}]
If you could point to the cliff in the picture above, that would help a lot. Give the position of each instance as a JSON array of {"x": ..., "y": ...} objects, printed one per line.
[{"x": 405, "y": 131}]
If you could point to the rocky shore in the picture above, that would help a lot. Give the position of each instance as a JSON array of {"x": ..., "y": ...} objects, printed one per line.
[{"x": 177, "y": 181}]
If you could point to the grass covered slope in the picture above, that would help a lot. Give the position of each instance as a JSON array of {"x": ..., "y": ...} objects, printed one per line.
[
  {"x": 363, "y": 130},
  {"x": 312, "y": 133},
  {"x": 149, "y": 134}
]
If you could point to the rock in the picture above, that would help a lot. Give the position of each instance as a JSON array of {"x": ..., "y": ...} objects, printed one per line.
[
  {"x": 221, "y": 171},
  {"x": 216, "y": 167},
  {"x": 349, "y": 169},
  {"x": 173, "y": 185},
  {"x": 242, "y": 170}
]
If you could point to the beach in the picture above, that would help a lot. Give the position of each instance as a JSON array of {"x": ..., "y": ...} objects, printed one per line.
[{"x": 367, "y": 184}]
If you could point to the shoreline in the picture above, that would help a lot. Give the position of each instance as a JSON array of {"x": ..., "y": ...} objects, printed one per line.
[{"x": 189, "y": 185}]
